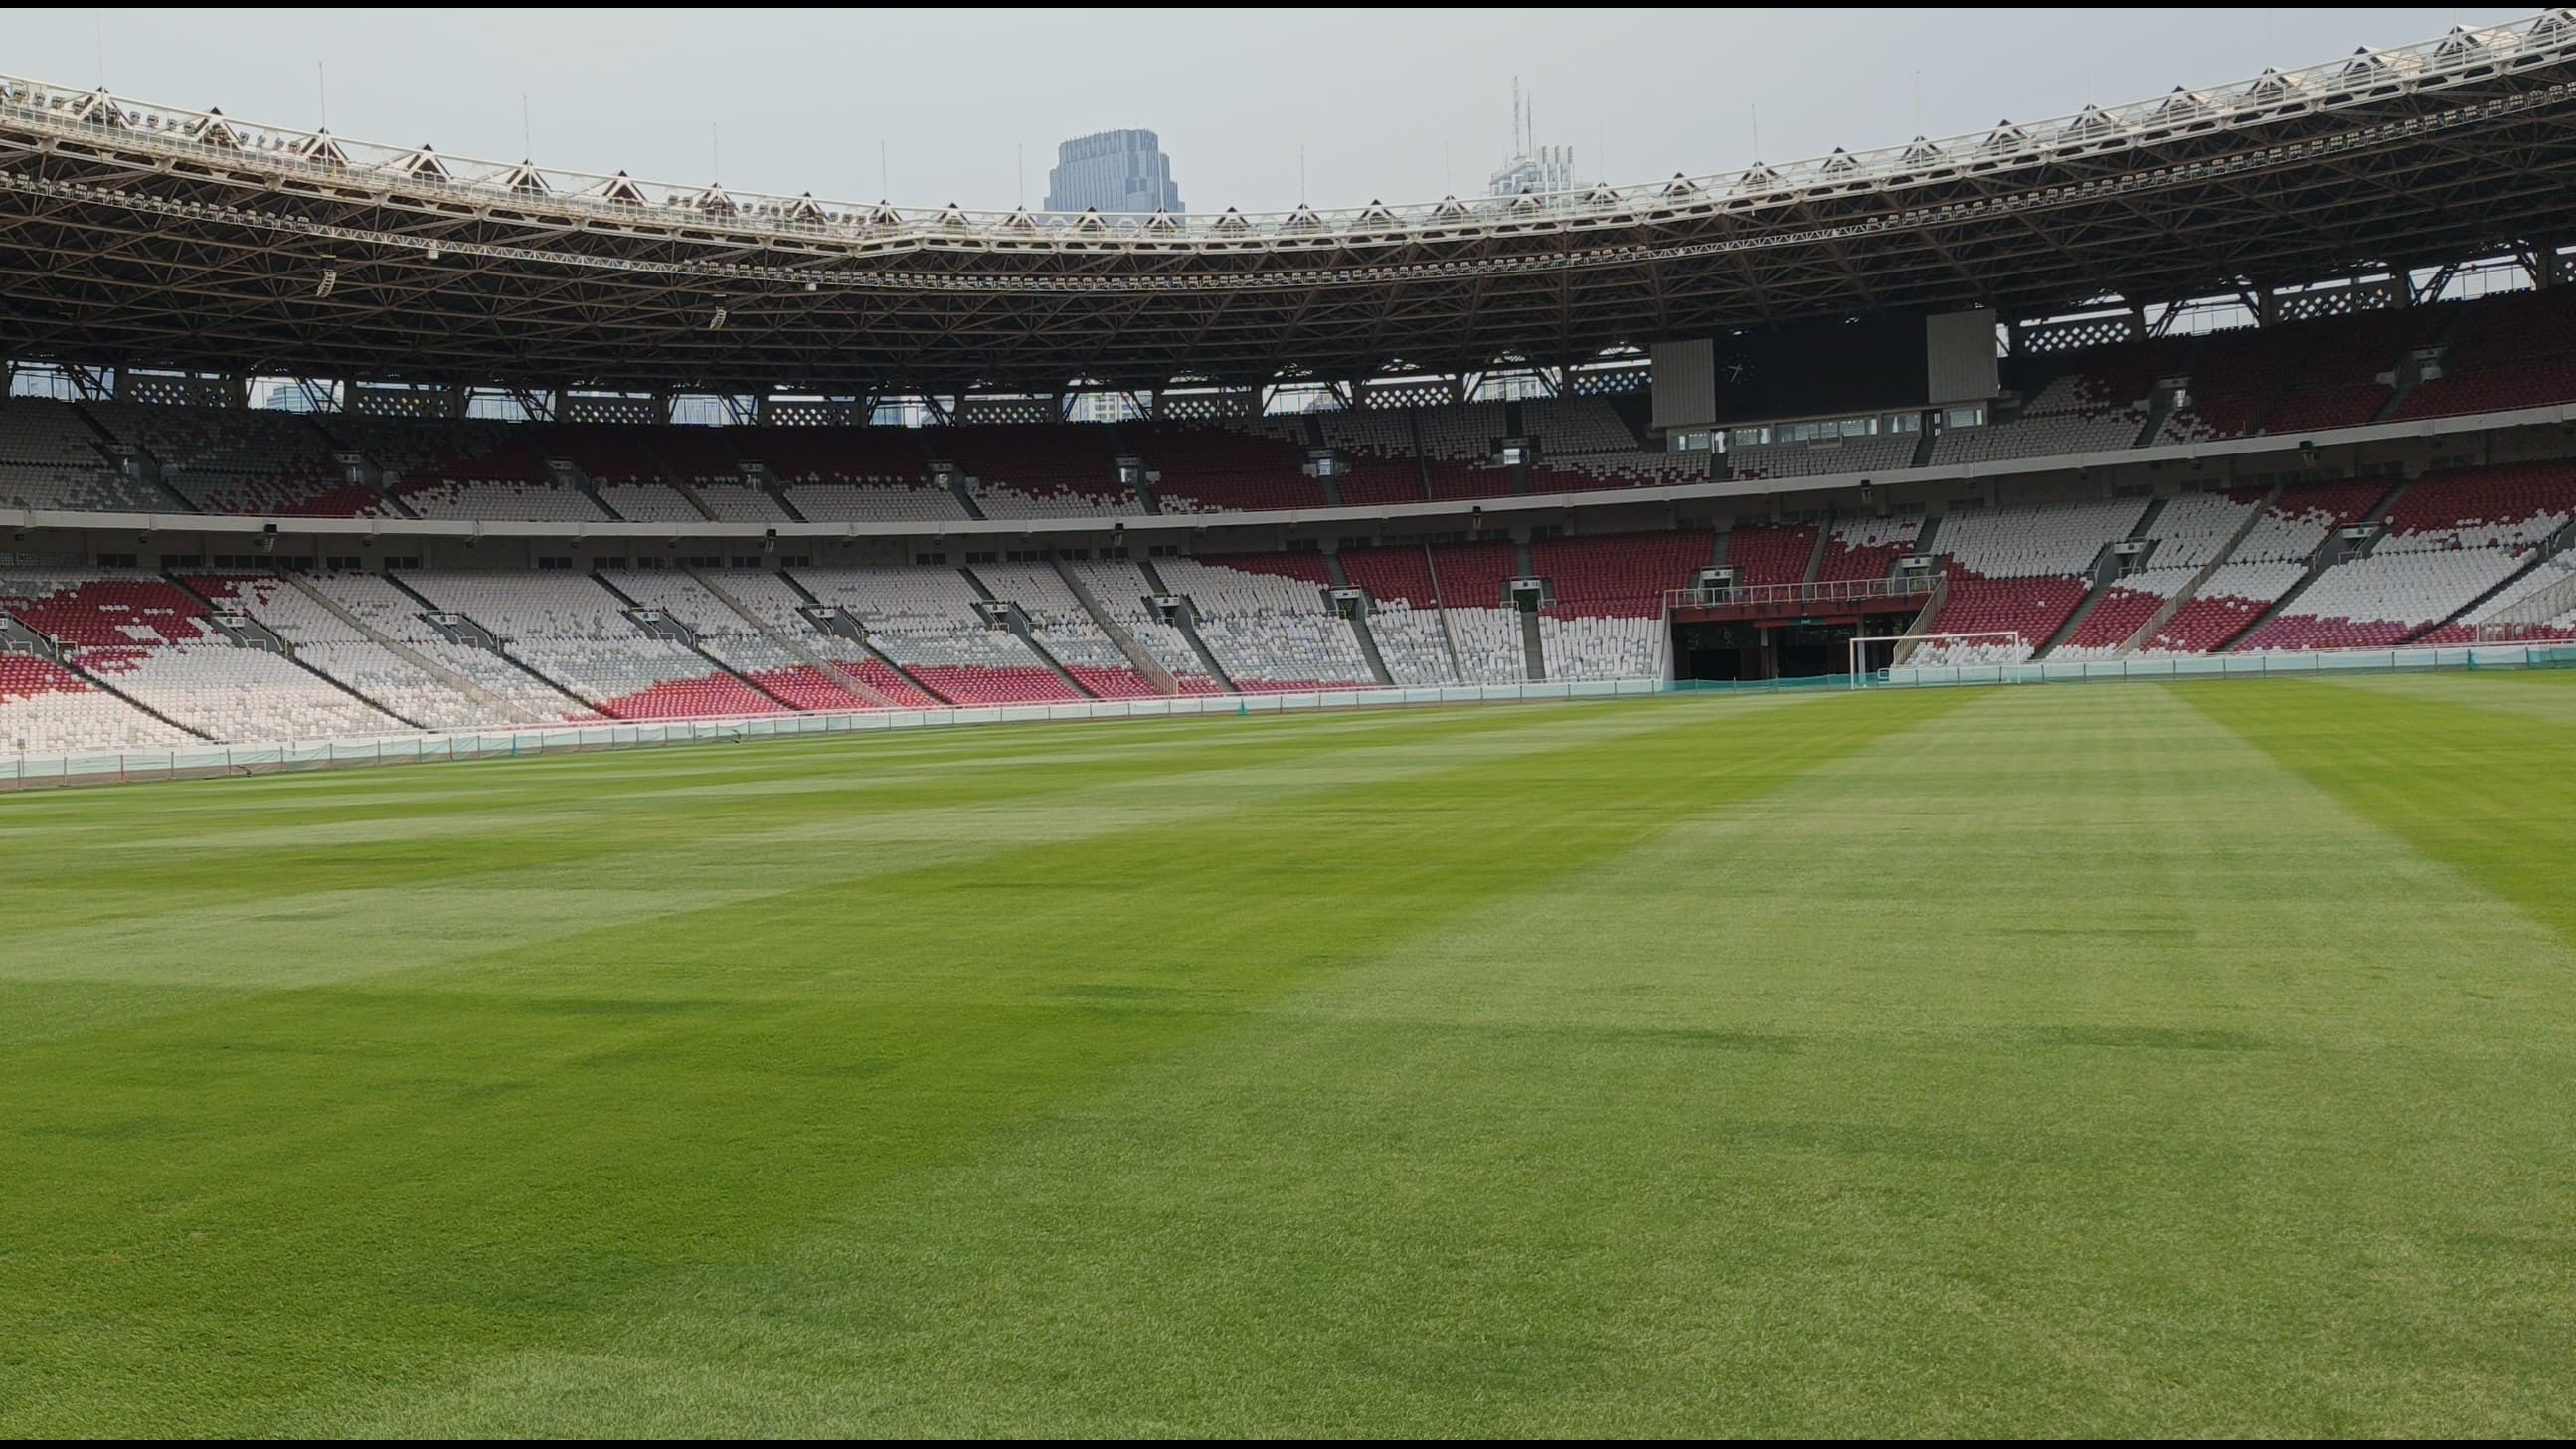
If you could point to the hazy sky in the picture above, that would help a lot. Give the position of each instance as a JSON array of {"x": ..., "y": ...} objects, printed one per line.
[{"x": 1386, "y": 104}]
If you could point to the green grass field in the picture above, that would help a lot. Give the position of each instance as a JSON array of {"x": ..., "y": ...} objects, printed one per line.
[{"x": 2122, "y": 1059}]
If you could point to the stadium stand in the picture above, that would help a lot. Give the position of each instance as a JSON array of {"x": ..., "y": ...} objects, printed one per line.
[
  {"x": 760, "y": 656},
  {"x": 2020, "y": 570},
  {"x": 333, "y": 644},
  {"x": 154, "y": 643},
  {"x": 1246, "y": 464},
  {"x": 1771, "y": 553},
  {"x": 2449, "y": 539},
  {"x": 924, "y": 620},
  {"x": 649, "y": 503},
  {"x": 2508, "y": 352},
  {"x": 778, "y": 605},
  {"x": 1867, "y": 548},
  {"x": 570, "y": 629},
  {"x": 1064, "y": 628},
  {"x": 46, "y": 709},
  {"x": 1604, "y": 618},
  {"x": 1568, "y": 426},
  {"x": 1263, "y": 617},
  {"x": 1876, "y": 453},
  {"x": 1632, "y": 469},
  {"x": 1047, "y": 470},
  {"x": 51, "y": 458},
  {"x": 1120, "y": 590},
  {"x": 241, "y": 460}
]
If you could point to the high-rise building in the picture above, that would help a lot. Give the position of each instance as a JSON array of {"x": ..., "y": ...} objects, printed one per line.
[
  {"x": 1539, "y": 170},
  {"x": 1113, "y": 172},
  {"x": 1532, "y": 168}
]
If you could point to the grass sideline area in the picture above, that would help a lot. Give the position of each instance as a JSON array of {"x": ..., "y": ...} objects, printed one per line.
[{"x": 2166, "y": 1059}]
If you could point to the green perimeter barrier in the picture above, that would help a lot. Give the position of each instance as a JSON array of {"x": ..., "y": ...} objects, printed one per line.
[
  {"x": 2461, "y": 658},
  {"x": 29, "y": 771}
]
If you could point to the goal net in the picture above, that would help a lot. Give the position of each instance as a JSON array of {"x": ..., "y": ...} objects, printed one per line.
[{"x": 1873, "y": 655}]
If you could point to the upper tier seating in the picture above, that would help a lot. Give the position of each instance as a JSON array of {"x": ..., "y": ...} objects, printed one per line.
[
  {"x": 1457, "y": 450},
  {"x": 1880, "y": 453},
  {"x": 49, "y": 458},
  {"x": 1602, "y": 471},
  {"x": 525, "y": 502},
  {"x": 1056, "y": 500},
  {"x": 1039, "y": 471},
  {"x": 649, "y": 503},
  {"x": 1245, "y": 464},
  {"x": 2506, "y": 353},
  {"x": 831, "y": 454},
  {"x": 2233, "y": 378},
  {"x": 608, "y": 454},
  {"x": 2095, "y": 402},
  {"x": 2337, "y": 382},
  {"x": 872, "y": 502},
  {"x": 740, "y": 503},
  {"x": 1378, "y": 446},
  {"x": 1082, "y": 455},
  {"x": 410, "y": 450},
  {"x": 2503, "y": 352},
  {"x": 685, "y": 453},
  {"x": 1567, "y": 426},
  {"x": 240, "y": 460}
]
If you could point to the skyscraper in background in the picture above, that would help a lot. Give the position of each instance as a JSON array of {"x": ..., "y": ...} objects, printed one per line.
[
  {"x": 1113, "y": 172},
  {"x": 1531, "y": 168}
]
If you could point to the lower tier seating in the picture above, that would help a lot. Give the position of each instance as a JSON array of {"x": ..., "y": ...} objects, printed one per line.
[{"x": 46, "y": 709}]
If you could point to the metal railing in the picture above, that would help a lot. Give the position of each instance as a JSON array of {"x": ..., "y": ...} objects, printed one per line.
[{"x": 1823, "y": 591}]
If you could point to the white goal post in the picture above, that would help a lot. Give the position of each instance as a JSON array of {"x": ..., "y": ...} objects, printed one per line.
[{"x": 1860, "y": 676}]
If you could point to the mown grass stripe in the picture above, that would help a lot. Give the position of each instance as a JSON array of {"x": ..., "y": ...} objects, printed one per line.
[
  {"x": 447, "y": 1166},
  {"x": 2057, "y": 1064}
]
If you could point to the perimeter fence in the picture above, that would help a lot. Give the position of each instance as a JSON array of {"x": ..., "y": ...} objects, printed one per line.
[{"x": 19, "y": 772}]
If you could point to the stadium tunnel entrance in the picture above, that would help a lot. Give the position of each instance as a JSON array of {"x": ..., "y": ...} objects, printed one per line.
[{"x": 1803, "y": 648}]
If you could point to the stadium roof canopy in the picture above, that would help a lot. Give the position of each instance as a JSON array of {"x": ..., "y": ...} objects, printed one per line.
[{"x": 137, "y": 235}]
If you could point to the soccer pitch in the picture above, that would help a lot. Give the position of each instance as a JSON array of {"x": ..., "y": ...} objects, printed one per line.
[{"x": 2119, "y": 1059}]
